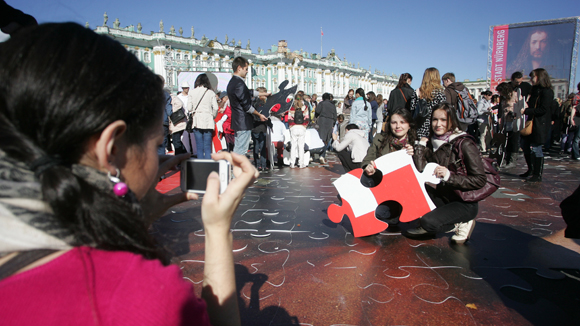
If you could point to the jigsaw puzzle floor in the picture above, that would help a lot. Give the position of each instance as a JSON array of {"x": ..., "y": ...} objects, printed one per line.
[{"x": 296, "y": 267}]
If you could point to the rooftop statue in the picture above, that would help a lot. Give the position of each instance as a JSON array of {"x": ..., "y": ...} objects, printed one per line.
[
  {"x": 172, "y": 30},
  {"x": 226, "y": 42},
  {"x": 192, "y": 32},
  {"x": 106, "y": 19},
  {"x": 161, "y": 26},
  {"x": 139, "y": 27},
  {"x": 116, "y": 23},
  {"x": 87, "y": 24},
  {"x": 180, "y": 31},
  {"x": 248, "y": 46}
]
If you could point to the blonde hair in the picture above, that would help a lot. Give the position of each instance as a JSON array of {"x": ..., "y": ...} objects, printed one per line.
[
  {"x": 298, "y": 104},
  {"x": 431, "y": 81}
]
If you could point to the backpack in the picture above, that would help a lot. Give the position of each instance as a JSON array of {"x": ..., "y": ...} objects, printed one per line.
[
  {"x": 298, "y": 117},
  {"x": 466, "y": 108},
  {"x": 421, "y": 112},
  {"x": 491, "y": 173}
]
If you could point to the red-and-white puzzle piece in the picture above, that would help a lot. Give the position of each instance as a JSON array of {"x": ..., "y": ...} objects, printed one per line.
[{"x": 401, "y": 182}]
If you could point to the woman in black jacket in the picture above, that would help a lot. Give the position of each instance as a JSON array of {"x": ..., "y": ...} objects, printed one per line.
[
  {"x": 400, "y": 97},
  {"x": 451, "y": 212},
  {"x": 538, "y": 111}
]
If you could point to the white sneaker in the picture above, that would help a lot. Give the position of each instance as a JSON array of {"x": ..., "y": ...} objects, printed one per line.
[
  {"x": 322, "y": 160},
  {"x": 463, "y": 232}
]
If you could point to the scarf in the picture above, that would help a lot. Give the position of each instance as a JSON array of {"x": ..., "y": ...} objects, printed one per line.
[
  {"x": 27, "y": 222},
  {"x": 398, "y": 144},
  {"x": 447, "y": 137}
]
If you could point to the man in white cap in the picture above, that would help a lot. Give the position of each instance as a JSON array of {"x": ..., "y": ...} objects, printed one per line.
[{"x": 184, "y": 92}]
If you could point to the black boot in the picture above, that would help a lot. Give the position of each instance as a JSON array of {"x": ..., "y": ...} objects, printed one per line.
[
  {"x": 529, "y": 162},
  {"x": 538, "y": 169}
]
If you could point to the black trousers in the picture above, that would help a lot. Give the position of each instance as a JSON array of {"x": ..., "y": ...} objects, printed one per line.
[
  {"x": 444, "y": 217},
  {"x": 346, "y": 160}
]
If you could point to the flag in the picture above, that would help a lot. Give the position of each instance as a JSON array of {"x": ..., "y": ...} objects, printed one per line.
[{"x": 321, "y": 33}]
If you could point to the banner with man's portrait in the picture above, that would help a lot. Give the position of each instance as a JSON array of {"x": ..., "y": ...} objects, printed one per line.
[{"x": 526, "y": 46}]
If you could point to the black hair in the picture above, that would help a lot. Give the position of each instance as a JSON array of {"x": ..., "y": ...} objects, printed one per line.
[
  {"x": 239, "y": 62},
  {"x": 351, "y": 126},
  {"x": 411, "y": 134},
  {"x": 361, "y": 92},
  {"x": 202, "y": 80},
  {"x": 516, "y": 75},
  {"x": 62, "y": 84},
  {"x": 403, "y": 80},
  {"x": 326, "y": 97},
  {"x": 487, "y": 92}
]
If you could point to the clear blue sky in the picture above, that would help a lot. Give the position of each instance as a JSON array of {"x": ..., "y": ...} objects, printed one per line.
[{"x": 392, "y": 36}]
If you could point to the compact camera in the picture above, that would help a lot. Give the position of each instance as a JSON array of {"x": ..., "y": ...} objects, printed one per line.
[{"x": 194, "y": 173}]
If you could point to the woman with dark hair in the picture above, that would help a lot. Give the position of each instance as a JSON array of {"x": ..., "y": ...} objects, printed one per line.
[
  {"x": 80, "y": 123},
  {"x": 203, "y": 106},
  {"x": 361, "y": 113},
  {"x": 399, "y": 134},
  {"x": 429, "y": 95},
  {"x": 509, "y": 122},
  {"x": 400, "y": 97},
  {"x": 451, "y": 212},
  {"x": 568, "y": 129},
  {"x": 348, "y": 99},
  {"x": 538, "y": 111},
  {"x": 372, "y": 98},
  {"x": 325, "y": 113}
]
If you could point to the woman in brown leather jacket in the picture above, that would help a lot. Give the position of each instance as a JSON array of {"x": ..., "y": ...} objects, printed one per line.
[{"x": 451, "y": 212}]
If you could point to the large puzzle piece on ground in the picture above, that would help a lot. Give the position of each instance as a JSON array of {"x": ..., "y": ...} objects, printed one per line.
[
  {"x": 401, "y": 183},
  {"x": 279, "y": 102}
]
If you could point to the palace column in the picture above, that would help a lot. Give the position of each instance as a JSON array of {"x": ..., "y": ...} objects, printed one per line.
[
  {"x": 269, "y": 79},
  {"x": 318, "y": 81},
  {"x": 327, "y": 82},
  {"x": 159, "y": 60},
  {"x": 301, "y": 81},
  {"x": 249, "y": 75},
  {"x": 281, "y": 74}
]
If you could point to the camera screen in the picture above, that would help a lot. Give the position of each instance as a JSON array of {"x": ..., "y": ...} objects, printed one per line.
[{"x": 197, "y": 173}]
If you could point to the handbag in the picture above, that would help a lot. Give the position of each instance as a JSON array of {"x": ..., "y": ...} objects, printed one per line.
[
  {"x": 491, "y": 173},
  {"x": 528, "y": 127},
  {"x": 189, "y": 126},
  {"x": 527, "y": 130},
  {"x": 177, "y": 116}
]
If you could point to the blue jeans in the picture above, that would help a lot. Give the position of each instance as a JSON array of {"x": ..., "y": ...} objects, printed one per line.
[
  {"x": 203, "y": 142},
  {"x": 526, "y": 144},
  {"x": 576, "y": 144},
  {"x": 260, "y": 152},
  {"x": 242, "y": 141}
]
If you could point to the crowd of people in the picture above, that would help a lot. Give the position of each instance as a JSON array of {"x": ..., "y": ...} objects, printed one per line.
[{"x": 84, "y": 136}]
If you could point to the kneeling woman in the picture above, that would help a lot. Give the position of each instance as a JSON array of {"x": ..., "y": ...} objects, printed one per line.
[
  {"x": 399, "y": 133},
  {"x": 451, "y": 211}
]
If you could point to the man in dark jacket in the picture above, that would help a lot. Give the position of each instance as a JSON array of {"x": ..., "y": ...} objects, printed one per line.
[
  {"x": 325, "y": 118},
  {"x": 241, "y": 103},
  {"x": 518, "y": 82},
  {"x": 451, "y": 89}
]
